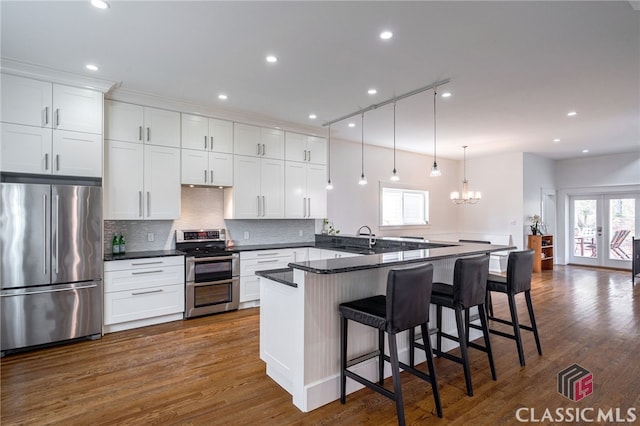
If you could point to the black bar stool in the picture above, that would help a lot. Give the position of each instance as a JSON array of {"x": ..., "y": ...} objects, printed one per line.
[
  {"x": 518, "y": 280},
  {"x": 468, "y": 290},
  {"x": 405, "y": 306}
]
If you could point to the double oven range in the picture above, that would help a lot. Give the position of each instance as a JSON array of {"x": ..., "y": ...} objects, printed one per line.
[{"x": 211, "y": 272}]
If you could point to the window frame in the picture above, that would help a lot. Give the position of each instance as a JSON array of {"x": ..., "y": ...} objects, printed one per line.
[{"x": 408, "y": 188}]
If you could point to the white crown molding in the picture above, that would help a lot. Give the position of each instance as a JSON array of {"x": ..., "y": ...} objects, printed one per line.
[
  {"x": 635, "y": 4},
  {"x": 38, "y": 72}
]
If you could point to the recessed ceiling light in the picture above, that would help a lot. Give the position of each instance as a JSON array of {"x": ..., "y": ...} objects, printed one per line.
[
  {"x": 313, "y": 116},
  {"x": 584, "y": 151},
  {"x": 352, "y": 124},
  {"x": 386, "y": 35},
  {"x": 372, "y": 91},
  {"x": 222, "y": 97},
  {"x": 271, "y": 59},
  {"x": 100, "y": 4},
  {"x": 572, "y": 114},
  {"x": 91, "y": 67},
  {"x": 556, "y": 140},
  {"x": 446, "y": 95}
]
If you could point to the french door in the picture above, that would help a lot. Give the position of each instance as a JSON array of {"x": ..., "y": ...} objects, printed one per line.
[{"x": 602, "y": 229}]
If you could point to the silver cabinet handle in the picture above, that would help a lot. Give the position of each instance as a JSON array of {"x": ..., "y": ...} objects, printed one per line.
[
  {"x": 263, "y": 149},
  {"x": 44, "y": 237},
  {"x": 148, "y": 134},
  {"x": 147, "y": 263},
  {"x": 258, "y": 204},
  {"x": 148, "y": 204},
  {"x": 308, "y": 207},
  {"x": 57, "y": 231},
  {"x": 263, "y": 207},
  {"x": 57, "y": 117},
  {"x": 139, "y": 133},
  {"x": 50, "y": 291},
  {"x": 211, "y": 181},
  {"x": 309, "y": 155},
  {"x": 205, "y": 142},
  {"x": 205, "y": 176},
  {"x": 268, "y": 261},
  {"x": 137, "y": 293},
  {"x": 269, "y": 254},
  {"x": 46, "y": 161},
  {"x": 140, "y": 203},
  {"x": 46, "y": 116},
  {"x": 305, "y": 155},
  {"x": 304, "y": 207},
  {"x": 157, "y": 271},
  {"x": 258, "y": 147},
  {"x": 57, "y": 162}
]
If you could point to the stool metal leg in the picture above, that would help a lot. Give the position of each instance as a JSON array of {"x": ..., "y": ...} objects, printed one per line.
[
  {"x": 432, "y": 368},
  {"x": 412, "y": 347},
  {"x": 516, "y": 326},
  {"x": 380, "y": 357},
  {"x": 439, "y": 325},
  {"x": 462, "y": 339},
  {"x": 343, "y": 358},
  {"x": 395, "y": 372},
  {"x": 487, "y": 343},
  {"x": 527, "y": 296}
]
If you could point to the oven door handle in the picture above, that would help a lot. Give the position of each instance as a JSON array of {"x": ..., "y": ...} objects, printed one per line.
[
  {"x": 208, "y": 283},
  {"x": 208, "y": 259}
]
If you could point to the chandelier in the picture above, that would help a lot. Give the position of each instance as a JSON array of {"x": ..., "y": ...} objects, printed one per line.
[{"x": 465, "y": 196}]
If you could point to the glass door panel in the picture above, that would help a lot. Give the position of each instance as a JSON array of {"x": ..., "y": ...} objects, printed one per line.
[
  {"x": 585, "y": 230},
  {"x": 621, "y": 226}
]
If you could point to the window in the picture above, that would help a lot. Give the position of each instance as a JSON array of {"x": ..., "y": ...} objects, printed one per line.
[{"x": 403, "y": 206}]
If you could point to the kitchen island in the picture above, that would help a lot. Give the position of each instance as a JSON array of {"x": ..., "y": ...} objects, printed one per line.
[{"x": 299, "y": 321}]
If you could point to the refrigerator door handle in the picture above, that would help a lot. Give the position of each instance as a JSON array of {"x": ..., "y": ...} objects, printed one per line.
[
  {"x": 44, "y": 236},
  {"x": 57, "y": 230},
  {"x": 50, "y": 290}
]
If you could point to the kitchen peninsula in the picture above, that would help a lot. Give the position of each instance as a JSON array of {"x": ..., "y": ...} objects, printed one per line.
[{"x": 299, "y": 321}]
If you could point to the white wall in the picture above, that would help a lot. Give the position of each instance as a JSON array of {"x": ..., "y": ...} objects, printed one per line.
[
  {"x": 351, "y": 205},
  {"x": 538, "y": 184}
]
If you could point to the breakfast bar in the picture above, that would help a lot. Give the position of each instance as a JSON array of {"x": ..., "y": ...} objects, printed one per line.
[{"x": 299, "y": 321}]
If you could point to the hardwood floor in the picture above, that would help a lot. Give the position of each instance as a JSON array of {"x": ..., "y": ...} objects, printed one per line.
[{"x": 207, "y": 371}]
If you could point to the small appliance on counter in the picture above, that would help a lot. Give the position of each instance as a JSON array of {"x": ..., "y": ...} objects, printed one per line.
[{"x": 211, "y": 272}]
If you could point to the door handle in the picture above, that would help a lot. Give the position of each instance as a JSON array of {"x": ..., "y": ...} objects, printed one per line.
[
  {"x": 57, "y": 117},
  {"x": 156, "y": 271},
  {"x": 205, "y": 176},
  {"x": 147, "y": 263},
  {"x": 44, "y": 236},
  {"x": 211, "y": 180},
  {"x": 46, "y": 161},
  {"x": 263, "y": 207},
  {"x": 46, "y": 116},
  {"x": 148, "y": 204},
  {"x": 304, "y": 207},
  {"x": 258, "y": 149},
  {"x": 263, "y": 149},
  {"x": 305, "y": 155},
  {"x": 57, "y": 162},
  {"x": 137, "y": 293},
  {"x": 258, "y": 204},
  {"x": 140, "y": 203},
  {"x": 57, "y": 229},
  {"x": 148, "y": 134},
  {"x": 309, "y": 207},
  {"x": 139, "y": 133},
  {"x": 205, "y": 142}
]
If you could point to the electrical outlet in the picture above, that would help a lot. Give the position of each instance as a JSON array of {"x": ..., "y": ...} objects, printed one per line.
[
  {"x": 246, "y": 235},
  {"x": 300, "y": 233},
  {"x": 150, "y": 236}
]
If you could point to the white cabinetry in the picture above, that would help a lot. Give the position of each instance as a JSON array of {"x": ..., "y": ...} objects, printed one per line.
[
  {"x": 135, "y": 123},
  {"x": 258, "y": 189},
  {"x": 141, "y": 292},
  {"x": 207, "y": 168},
  {"x": 259, "y": 260},
  {"x": 258, "y": 141},
  {"x": 305, "y": 148},
  {"x": 305, "y": 190},
  {"x": 141, "y": 181},
  {"x": 207, "y": 134},
  {"x": 320, "y": 254},
  {"x": 50, "y": 128}
]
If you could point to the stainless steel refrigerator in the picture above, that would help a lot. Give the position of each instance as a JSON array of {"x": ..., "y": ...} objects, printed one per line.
[{"x": 51, "y": 263}]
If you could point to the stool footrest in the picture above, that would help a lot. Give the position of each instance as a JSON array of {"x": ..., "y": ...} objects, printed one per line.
[
  {"x": 384, "y": 391},
  {"x": 363, "y": 358}
]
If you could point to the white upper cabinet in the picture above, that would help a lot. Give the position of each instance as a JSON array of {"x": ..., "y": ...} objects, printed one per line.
[
  {"x": 258, "y": 141},
  {"x": 43, "y": 104},
  {"x": 25, "y": 149},
  {"x": 206, "y": 168},
  {"x": 305, "y": 192},
  {"x": 207, "y": 134},
  {"x": 304, "y": 148},
  {"x": 134, "y": 123},
  {"x": 77, "y": 154},
  {"x": 161, "y": 182}
]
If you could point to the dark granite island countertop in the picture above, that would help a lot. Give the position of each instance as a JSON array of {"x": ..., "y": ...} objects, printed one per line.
[{"x": 142, "y": 254}]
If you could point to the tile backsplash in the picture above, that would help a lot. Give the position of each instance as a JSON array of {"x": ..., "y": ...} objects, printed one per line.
[{"x": 203, "y": 208}]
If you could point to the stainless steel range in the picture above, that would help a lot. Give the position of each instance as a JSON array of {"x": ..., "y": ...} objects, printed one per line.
[{"x": 211, "y": 272}]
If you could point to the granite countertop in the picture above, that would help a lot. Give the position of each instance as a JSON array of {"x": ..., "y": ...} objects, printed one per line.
[
  {"x": 283, "y": 276},
  {"x": 142, "y": 254},
  {"x": 253, "y": 247}
]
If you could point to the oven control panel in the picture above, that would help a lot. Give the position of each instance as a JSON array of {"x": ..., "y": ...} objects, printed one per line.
[{"x": 194, "y": 235}]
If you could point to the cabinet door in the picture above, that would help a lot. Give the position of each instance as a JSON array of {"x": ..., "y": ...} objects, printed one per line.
[
  {"x": 161, "y": 182},
  {"x": 249, "y": 288},
  {"x": 272, "y": 141},
  {"x": 246, "y": 139},
  {"x": 123, "y": 122},
  {"x": 77, "y": 154},
  {"x": 295, "y": 190},
  {"x": 26, "y": 101},
  {"x": 195, "y": 167},
  {"x": 25, "y": 149},
  {"x": 161, "y": 127},
  {"x": 272, "y": 188},
  {"x": 195, "y": 132},
  {"x": 221, "y": 136},
  {"x": 295, "y": 147},
  {"x": 316, "y": 150},
  {"x": 123, "y": 184},
  {"x": 246, "y": 187},
  {"x": 221, "y": 169},
  {"x": 316, "y": 191},
  {"x": 77, "y": 109}
]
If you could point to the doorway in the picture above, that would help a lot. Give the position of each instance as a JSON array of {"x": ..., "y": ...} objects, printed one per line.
[{"x": 602, "y": 226}]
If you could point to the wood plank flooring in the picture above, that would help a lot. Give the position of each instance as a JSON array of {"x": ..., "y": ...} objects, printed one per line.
[{"x": 207, "y": 371}]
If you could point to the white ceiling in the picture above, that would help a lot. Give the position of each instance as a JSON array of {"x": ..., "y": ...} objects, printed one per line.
[{"x": 516, "y": 68}]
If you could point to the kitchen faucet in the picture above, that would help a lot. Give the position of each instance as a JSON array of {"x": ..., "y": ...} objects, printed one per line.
[{"x": 372, "y": 240}]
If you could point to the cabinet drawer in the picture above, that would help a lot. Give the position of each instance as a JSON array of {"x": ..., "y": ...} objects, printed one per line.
[
  {"x": 261, "y": 254},
  {"x": 142, "y": 278},
  {"x": 123, "y": 306},
  {"x": 144, "y": 263},
  {"x": 249, "y": 267}
]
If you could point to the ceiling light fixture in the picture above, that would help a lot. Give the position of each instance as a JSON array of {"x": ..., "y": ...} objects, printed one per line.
[
  {"x": 572, "y": 114},
  {"x": 329, "y": 184},
  {"x": 435, "y": 171},
  {"x": 222, "y": 97},
  {"x": 556, "y": 140},
  {"x": 466, "y": 196},
  {"x": 585, "y": 151},
  {"x": 100, "y": 4},
  {"x": 372, "y": 91},
  {"x": 394, "y": 176},
  {"x": 91, "y": 67},
  {"x": 446, "y": 95},
  {"x": 271, "y": 59},
  {"x": 363, "y": 179},
  {"x": 313, "y": 116},
  {"x": 386, "y": 35},
  {"x": 352, "y": 124}
]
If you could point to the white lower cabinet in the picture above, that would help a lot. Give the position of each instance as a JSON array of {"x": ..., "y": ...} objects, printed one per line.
[
  {"x": 320, "y": 254},
  {"x": 259, "y": 260},
  {"x": 141, "y": 292}
]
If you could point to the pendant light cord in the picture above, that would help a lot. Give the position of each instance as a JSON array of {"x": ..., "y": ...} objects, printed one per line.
[
  {"x": 329, "y": 154},
  {"x": 435, "y": 94},
  {"x": 362, "y": 155},
  {"x": 394, "y": 137}
]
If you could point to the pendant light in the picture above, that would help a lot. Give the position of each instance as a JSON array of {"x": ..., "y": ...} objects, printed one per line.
[
  {"x": 329, "y": 184},
  {"x": 465, "y": 196},
  {"x": 394, "y": 176},
  {"x": 363, "y": 179},
  {"x": 435, "y": 171}
]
